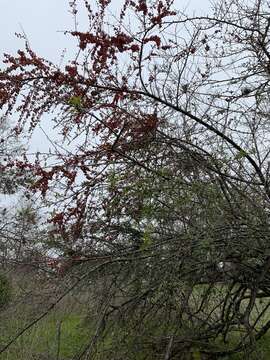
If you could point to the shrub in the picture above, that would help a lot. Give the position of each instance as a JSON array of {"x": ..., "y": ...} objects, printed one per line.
[{"x": 5, "y": 291}]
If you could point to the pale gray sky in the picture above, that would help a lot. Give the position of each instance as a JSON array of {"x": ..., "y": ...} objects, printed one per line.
[
  {"x": 41, "y": 21},
  {"x": 44, "y": 22}
]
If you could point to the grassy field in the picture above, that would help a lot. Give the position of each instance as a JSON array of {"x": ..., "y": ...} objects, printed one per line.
[
  {"x": 58, "y": 336},
  {"x": 70, "y": 327},
  {"x": 62, "y": 336}
]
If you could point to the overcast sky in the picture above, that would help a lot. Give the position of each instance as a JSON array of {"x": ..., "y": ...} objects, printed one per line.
[{"x": 44, "y": 22}]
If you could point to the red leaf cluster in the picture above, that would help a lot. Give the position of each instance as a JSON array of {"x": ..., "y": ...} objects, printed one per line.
[
  {"x": 72, "y": 70},
  {"x": 163, "y": 10},
  {"x": 142, "y": 7},
  {"x": 153, "y": 38}
]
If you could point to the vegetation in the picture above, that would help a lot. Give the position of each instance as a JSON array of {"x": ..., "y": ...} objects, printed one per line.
[
  {"x": 5, "y": 291},
  {"x": 153, "y": 210}
]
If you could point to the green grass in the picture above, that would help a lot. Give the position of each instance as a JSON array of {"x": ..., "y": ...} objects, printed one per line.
[
  {"x": 261, "y": 352},
  {"x": 42, "y": 342},
  {"x": 71, "y": 325},
  {"x": 65, "y": 335}
]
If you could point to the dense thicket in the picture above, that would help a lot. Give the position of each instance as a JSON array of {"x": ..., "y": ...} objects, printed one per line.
[{"x": 159, "y": 191}]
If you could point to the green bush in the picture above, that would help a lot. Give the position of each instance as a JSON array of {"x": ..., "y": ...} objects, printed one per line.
[{"x": 5, "y": 291}]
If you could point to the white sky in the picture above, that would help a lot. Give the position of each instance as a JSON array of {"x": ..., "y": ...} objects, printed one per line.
[{"x": 43, "y": 22}]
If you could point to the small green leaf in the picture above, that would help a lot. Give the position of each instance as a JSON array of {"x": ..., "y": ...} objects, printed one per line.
[
  {"x": 76, "y": 102},
  {"x": 241, "y": 154},
  {"x": 196, "y": 355},
  {"x": 147, "y": 240}
]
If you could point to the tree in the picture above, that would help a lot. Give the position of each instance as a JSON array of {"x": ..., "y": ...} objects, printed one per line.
[
  {"x": 11, "y": 148},
  {"x": 12, "y": 182},
  {"x": 169, "y": 185},
  {"x": 19, "y": 213}
]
